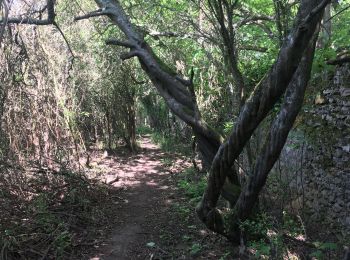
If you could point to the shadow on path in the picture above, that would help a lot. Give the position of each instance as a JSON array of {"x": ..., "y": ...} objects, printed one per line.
[{"x": 145, "y": 195}]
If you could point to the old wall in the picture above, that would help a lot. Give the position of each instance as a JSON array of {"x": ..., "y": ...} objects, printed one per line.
[
  {"x": 327, "y": 191},
  {"x": 313, "y": 174}
]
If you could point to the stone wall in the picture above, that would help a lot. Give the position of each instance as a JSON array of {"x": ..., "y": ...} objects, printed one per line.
[{"x": 314, "y": 169}]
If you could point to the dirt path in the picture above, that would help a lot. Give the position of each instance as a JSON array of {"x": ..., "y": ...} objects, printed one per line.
[
  {"x": 143, "y": 181},
  {"x": 146, "y": 225}
]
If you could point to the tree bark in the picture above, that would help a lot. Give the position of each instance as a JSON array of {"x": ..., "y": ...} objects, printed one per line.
[{"x": 277, "y": 135}]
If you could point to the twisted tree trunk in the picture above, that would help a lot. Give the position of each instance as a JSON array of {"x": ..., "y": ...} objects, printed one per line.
[{"x": 266, "y": 94}]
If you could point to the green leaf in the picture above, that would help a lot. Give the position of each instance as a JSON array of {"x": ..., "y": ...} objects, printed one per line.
[
  {"x": 151, "y": 244},
  {"x": 195, "y": 249}
]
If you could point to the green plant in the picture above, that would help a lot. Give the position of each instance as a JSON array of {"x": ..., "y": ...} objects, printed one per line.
[
  {"x": 193, "y": 190},
  {"x": 49, "y": 222},
  {"x": 264, "y": 239},
  {"x": 291, "y": 225},
  {"x": 195, "y": 249},
  {"x": 257, "y": 227},
  {"x": 182, "y": 210},
  {"x": 186, "y": 238},
  {"x": 62, "y": 241},
  {"x": 228, "y": 127},
  {"x": 151, "y": 244},
  {"x": 260, "y": 248}
]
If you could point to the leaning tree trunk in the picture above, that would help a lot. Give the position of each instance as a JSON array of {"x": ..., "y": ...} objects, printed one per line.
[{"x": 177, "y": 92}]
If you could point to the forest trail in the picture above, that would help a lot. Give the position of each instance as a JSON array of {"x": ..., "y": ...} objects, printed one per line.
[{"x": 145, "y": 195}]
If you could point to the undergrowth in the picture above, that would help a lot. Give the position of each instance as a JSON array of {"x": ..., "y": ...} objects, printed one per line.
[
  {"x": 192, "y": 184},
  {"x": 266, "y": 237},
  {"x": 48, "y": 214}
]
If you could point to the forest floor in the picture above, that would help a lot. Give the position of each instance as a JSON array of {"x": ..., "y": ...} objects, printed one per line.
[
  {"x": 153, "y": 217},
  {"x": 131, "y": 206}
]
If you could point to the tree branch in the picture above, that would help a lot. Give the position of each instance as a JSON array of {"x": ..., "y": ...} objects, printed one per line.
[
  {"x": 253, "y": 48},
  {"x": 183, "y": 81},
  {"x": 126, "y": 44},
  {"x": 129, "y": 55},
  {"x": 338, "y": 13},
  {"x": 65, "y": 39},
  {"x": 316, "y": 10},
  {"x": 175, "y": 93},
  {"x": 159, "y": 73},
  {"x": 255, "y": 18},
  {"x": 99, "y": 12}
]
